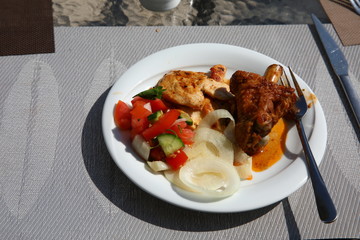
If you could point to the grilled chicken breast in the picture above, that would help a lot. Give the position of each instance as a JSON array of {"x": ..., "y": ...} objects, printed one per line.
[
  {"x": 197, "y": 93},
  {"x": 191, "y": 89}
]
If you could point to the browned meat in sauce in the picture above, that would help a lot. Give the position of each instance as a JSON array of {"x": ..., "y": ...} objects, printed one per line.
[{"x": 259, "y": 105}]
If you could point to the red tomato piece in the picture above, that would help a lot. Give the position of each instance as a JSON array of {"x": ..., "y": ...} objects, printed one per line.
[
  {"x": 122, "y": 116},
  {"x": 178, "y": 160},
  {"x": 180, "y": 124},
  {"x": 157, "y": 105},
  {"x": 185, "y": 134},
  {"x": 160, "y": 126},
  {"x": 138, "y": 125},
  {"x": 139, "y": 111},
  {"x": 157, "y": 154},
  {"x": 139, "y": 99}
]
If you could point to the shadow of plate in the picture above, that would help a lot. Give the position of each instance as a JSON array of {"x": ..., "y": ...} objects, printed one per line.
[{"x": 125, "y": 195}]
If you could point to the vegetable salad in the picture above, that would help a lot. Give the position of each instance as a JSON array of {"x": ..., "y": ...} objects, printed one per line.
[{"x": 204, "y": 160}]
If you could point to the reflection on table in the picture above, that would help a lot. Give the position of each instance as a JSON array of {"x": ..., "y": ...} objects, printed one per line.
[{"x": 187, "y": 13}]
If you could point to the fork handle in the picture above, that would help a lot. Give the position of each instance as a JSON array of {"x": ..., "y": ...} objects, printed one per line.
[{"x": 325, "y": 205}]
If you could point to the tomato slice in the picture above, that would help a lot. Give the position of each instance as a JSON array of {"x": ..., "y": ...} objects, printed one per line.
[
  {"x": 157, "y": 154},
  {"x": 187, "y": 136},
  {"x": 161, "y": 125},
  {"x": 139, "y": 111},
  {"x": 138, "y": 125},
  {"x": 178, "y": 160},
  {"x": 157, "y": 105},
  {"x": 139, "y": 99},
  {"x": 122, "y": 116},
  {"x": 184, "y": 133}
]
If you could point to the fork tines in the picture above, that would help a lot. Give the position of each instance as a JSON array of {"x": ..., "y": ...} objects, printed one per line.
[
  {"x": 297, "y": 87},
  {"x": 284, "y": 80}
]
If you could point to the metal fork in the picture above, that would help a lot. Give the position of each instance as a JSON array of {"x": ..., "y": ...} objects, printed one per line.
[
  {"x": 356, "y": 5},
  {"x": 325, "y": 205}
]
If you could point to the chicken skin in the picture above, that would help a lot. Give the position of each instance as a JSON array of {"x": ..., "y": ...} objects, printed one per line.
[
  {"x": 259, "y": 105},
  {"x": 218, "y": 73}
]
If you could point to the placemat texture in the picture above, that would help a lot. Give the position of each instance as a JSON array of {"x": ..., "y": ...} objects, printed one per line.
[
  {"x": 26, "y": 27},
  {"x": 58, "y": 181},
  {"x": 345, "y": 20}
]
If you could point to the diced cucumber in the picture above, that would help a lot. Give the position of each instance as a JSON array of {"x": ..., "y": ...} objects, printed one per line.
[
  {"x": 187, "y": 117},
  {"x": 170, "y": 143},
  {"x": 155, "y": 116}
]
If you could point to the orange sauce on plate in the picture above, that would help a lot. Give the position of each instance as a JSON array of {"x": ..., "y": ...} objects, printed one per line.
[{"x": 273, "y": 151}]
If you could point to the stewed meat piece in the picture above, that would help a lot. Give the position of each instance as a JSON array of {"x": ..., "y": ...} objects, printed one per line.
[{"x": 259, "y": 105}]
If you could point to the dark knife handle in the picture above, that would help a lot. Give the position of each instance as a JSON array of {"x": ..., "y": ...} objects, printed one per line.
[{"x": 352, "y": 96}]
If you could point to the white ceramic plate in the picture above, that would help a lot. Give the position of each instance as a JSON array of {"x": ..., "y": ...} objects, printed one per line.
[{"x": 267, "y": 187}]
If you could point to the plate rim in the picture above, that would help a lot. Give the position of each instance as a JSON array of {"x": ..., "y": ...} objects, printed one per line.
[{"x": 213, "y": 206}]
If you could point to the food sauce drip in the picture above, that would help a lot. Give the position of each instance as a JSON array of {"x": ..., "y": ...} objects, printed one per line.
[{"x": 273, "y": 151}]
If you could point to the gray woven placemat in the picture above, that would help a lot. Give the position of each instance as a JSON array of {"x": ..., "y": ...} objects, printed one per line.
[{"x": 59, "y": 182}]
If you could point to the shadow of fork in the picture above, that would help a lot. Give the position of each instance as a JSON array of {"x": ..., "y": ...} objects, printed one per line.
[{"x": 293, "y": 230}]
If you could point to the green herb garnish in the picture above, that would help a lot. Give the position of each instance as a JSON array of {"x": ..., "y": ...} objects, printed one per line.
[{"x": 152, "y": 93}]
